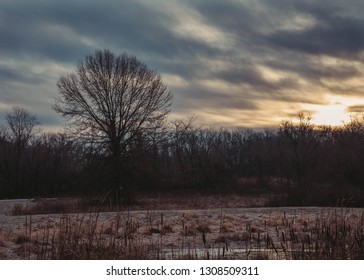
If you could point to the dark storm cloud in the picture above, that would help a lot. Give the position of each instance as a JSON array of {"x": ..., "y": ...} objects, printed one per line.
[
  {"x": 224, "y": 43},
  {"x": 315, "y": 70},
  {"x": 244, "y": 74},
  {"x": 9, "y": 75},
  {"x": 59, "y": 29},
  {"x": 253, "y": 78},
  {"x": 198, "y": 96},
  {"x": 335, "y": 36},
  {"x": 231, "y": 16},
  {"x": 337, "y": 32},
  {"x": 24, "y": 34}
]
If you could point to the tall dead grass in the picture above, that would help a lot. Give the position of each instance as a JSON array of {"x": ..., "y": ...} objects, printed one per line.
[{"x": 338, "y": 234}]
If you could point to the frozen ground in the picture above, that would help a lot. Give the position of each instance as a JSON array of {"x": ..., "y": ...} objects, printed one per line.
[{"x": 237, "y": 231}]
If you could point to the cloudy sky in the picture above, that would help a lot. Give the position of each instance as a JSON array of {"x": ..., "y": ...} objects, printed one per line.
[{"x": 246, "y": 63}]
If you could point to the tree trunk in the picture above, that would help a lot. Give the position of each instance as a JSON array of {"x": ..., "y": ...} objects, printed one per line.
[{"x": 120, "y": 195}]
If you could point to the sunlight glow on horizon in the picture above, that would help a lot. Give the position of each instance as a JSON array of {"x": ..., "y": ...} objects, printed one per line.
[{"x": 334, "y": 114}]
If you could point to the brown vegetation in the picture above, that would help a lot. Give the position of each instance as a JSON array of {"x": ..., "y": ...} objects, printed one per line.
[{"x": 231, "y": 233}]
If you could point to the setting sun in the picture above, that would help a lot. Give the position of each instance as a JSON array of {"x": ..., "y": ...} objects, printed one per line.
[
  {"x": 335, "y": 114},
  {"x": 331, "y": 115}
]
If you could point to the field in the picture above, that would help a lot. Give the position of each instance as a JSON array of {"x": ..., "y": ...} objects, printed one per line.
[{"x": 197, "y": 227}]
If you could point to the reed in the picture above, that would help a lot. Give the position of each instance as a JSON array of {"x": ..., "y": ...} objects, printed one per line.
[{"x": 335, "y": 234}]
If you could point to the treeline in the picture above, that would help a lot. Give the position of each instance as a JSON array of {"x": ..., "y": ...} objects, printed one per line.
[{"x": 299, "y": 163}]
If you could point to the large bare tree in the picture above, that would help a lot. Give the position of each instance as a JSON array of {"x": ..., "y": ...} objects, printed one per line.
[{"x": 113, "y": 100}]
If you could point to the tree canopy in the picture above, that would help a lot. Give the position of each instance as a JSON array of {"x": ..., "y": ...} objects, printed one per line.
[{"x": 114, "y": 101}]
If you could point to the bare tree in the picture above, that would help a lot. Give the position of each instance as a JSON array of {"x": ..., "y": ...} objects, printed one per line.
[
  {"x": 303, "y": 140},
  {"x": 20, "y": 130},
  {"x": 21, "y": 124},
  {"x": 113, "y": 100}
]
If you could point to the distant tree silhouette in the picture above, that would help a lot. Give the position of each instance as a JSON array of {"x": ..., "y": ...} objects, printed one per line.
[
  {"x": 21, "y": 126},
  {"x": 302, "y": 142},
  {"x": 21, "y": 129}
]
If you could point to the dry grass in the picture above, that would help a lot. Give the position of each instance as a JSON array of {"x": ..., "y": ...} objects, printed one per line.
[
  {"x": 84, "y": 237},
  {"x": 61, "y": 206},
  {"x": 212, "y": 233},
  {"x": 155, "y": 202},
  {"x": 338, "y": 234}
]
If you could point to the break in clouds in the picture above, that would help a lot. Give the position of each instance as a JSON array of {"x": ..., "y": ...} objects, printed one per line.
[{"x": 231, "y": 63}]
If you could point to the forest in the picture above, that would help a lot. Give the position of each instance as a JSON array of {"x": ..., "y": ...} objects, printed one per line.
[{"x": 299, "y": 163}]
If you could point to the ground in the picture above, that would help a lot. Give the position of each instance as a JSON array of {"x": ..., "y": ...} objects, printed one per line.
[{"x": 237, "y": 227}]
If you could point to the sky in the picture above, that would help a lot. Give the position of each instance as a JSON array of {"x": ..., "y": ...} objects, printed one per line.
[{"x": 231, "y": 63}]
